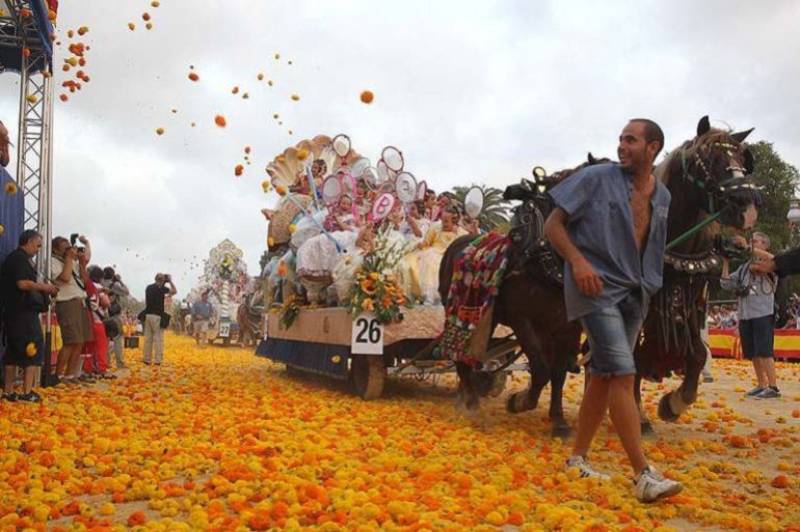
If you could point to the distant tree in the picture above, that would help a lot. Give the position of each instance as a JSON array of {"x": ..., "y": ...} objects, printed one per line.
[
  {"x": 495, "y": 208},
  {"x": 778, "y": 180}
]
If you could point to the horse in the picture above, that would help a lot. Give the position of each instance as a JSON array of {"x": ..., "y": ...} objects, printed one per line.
[{"x": 706, "y": 179}]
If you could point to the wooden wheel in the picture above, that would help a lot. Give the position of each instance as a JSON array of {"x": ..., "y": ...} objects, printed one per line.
[{"x": 368, "y": 374}]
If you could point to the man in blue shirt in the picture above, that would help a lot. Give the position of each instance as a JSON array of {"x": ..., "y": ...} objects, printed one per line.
[
  {"x": 610, "y": 226},
  {"x": 201, "y": 313}
]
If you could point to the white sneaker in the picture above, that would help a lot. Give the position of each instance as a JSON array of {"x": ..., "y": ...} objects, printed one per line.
[
  {"x": 652, "y": 486},
  {"x": 585, "y": 469}
]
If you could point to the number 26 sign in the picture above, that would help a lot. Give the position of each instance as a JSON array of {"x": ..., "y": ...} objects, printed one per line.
[{"x": 367, "y": 336}]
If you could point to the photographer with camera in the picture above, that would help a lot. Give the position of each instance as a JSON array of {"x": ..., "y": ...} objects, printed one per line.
[
  {"x": 67, "y": 270},
  {"x": 756, "y": 294},
  {"x": 117, "y": 292},
  {"x": 155, "y": 319},
  {"x": 23, "y": 300}
]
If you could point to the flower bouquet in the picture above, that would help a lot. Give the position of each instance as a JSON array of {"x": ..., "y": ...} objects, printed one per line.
[{"x": 377, "y": 289}]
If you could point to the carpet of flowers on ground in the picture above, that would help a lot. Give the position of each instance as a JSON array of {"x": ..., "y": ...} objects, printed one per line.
[{"x": 220, "y": 439}]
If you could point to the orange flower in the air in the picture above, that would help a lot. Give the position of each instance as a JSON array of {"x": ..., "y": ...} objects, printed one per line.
[
  {"x": 193, "y": 76},
  {"x": 220, "y": 121},
  {"x": 238, "y": 170},
  {"x": 367, "y": 97}
]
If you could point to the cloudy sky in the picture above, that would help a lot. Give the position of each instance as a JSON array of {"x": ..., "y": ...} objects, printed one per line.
[{"x": 471, "y": 91}]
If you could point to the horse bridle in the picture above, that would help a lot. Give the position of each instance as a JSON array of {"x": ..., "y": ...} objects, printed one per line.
[{"x": 738, "y": 182}]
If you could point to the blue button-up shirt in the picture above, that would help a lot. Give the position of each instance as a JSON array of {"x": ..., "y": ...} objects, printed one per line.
[
  {"x": 597, "y": 201},
  {"x": 202, "y": 309}
]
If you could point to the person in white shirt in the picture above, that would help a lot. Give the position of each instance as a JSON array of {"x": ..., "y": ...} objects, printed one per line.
[{"x": 67, "y": 267}]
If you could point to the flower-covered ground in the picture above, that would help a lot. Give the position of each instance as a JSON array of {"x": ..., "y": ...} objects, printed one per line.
[{"x": 220, "y": 439}]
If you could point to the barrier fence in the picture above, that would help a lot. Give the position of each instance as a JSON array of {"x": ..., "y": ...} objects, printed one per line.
[{"x": 724, "y": 343}]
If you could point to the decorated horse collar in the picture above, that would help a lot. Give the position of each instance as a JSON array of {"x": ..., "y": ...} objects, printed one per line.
[{"x": 693, "y": 264}]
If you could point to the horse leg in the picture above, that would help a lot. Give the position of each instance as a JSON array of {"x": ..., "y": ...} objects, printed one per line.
[
  {"x": 529, "y": 399},
  {"x": 647, "y": 427},
  {"x": 560, "y": 427},
  {"x": 678, "y": 401},
  {"x": 467, "y": 395}
]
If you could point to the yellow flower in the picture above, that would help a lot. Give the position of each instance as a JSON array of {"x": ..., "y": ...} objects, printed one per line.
[
  {"x": 368, "y": 305},
  {"x": 31, "y": 350},
  {"x": 302, "y": 154},
  {"x": 374, "y": 276},
  {"x": 11, "y": 188},
  {"x": 270, "y": 241},
  {"x": 292, "y": 228},
  {"x": 266, "y": 186}
]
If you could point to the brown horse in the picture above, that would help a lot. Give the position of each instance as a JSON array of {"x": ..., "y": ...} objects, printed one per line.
[{"x": 705, "y": 177}]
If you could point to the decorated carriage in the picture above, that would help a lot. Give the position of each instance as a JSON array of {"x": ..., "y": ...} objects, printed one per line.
[
  {"x": 351, "y": 279},
  {"x": 225, "y": 280}
]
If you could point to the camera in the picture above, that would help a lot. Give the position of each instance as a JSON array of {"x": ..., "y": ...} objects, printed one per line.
[{"x": 73, "y": 238}]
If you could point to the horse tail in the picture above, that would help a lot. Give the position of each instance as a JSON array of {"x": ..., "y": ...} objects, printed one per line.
[{"x": 449, "y": 258}]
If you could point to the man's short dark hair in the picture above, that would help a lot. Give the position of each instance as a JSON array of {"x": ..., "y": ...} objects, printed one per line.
[
  {"x": 108, "y": 272},
  {"x": 57, "y": 241},
  {"x": 652, "y": 133},
  {"x": 95, "y": 273},
  {"x": 28, "y": 235}
]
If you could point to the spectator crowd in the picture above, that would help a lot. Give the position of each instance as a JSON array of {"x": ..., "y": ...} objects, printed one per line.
[{"x": 84, "y": 303}]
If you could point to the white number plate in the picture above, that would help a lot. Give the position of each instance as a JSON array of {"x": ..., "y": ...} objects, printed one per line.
[
  {"x": 224, "y": 330},
  {"x": 367, "y": 337}
]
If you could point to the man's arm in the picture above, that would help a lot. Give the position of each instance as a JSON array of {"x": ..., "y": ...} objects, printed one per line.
[
  {"x": 88, "y": 253},
  {"x": 555, "y": 229},
  {"x": 69, "y": 264},
  {"x": 26, "y": 285},
  {"x": 172, "y": 289}
]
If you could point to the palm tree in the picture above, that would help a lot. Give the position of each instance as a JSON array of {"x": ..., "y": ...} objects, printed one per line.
[{"x": 495, "y": 209}]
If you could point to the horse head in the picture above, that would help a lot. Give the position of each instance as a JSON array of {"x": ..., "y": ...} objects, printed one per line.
[{"x": 710, "y": 176}]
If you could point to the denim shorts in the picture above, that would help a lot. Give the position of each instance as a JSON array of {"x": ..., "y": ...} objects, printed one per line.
[{"x": 612, "y": 333}]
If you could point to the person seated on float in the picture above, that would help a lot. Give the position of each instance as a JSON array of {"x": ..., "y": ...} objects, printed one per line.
[
  {"x": 415, "y": 225},
  {"x": 420, "y": 269},
  {"x": 432, "y": 209},
  {"x": 344, "y": 273},
  {"x": 342, "y": 217}
]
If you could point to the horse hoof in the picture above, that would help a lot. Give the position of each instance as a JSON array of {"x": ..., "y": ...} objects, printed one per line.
[
  {"x": 647, "y": 428},
  {"x": 665, "y": 412},
  {"x": 518, "y": 402},
  {"x": 561, "y": 430}
]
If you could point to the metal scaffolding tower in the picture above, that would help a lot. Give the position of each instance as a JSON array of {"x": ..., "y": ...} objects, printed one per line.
[{"x": 25, "y": 30}]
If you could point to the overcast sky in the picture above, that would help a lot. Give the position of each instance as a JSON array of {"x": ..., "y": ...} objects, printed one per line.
[{"x": 471, "y": 91}]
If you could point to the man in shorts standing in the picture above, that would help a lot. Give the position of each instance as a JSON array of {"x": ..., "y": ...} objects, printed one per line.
[
  {"x": 755, "y": 313},
  {"x": 610, "y": 226},
  {"x": 23, "y": 301},
  {"x": 66, "y": 267},
  {"x": 201, "y": 314}
]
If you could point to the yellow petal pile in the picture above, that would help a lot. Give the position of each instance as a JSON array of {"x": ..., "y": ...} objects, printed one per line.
[{"x": 221, "y": 439}]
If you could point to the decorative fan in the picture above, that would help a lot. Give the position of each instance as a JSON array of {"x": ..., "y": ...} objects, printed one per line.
[{"x": 289, "y": 168}]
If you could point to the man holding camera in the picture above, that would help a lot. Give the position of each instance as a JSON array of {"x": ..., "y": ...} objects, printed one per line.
[
  {"x": 154, "y": 317},
  {"x": 67, "y": 269}
]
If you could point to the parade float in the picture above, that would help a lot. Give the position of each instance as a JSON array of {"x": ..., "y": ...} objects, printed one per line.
[
  {"x": 350, "y": 284},
  {"x": 225, "y": 280}
]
